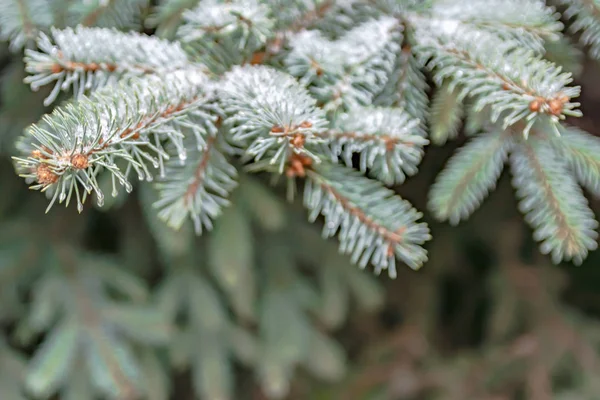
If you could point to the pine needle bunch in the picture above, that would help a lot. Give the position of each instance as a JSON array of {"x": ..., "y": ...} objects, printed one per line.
[{"x": 331, "y": 97}]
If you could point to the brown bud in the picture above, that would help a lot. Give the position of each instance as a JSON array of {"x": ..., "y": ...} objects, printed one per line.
[
  {"x": 258, "y": 58},
  {"x": 306, "y": 125},
  {"x": 556, "y": 106},
  {"x": 298, "y": 141},
  {"x": 390, "y": 250},
  {"x": 79, "y": 161},
  {"x": 36, "y": 154},
  {"x": 277, "y": 129},
  {"x": 505, "y": 86},
  {"x": 56, "y": 68},
  {"x": 304, "y": 160},
  {"x": 45, "y": 176},
  {"x": 535, "y": 105}
]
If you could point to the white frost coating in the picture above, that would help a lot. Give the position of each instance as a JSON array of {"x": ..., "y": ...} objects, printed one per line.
[
  {"x": 89, "y": 58},
  {"x": 259, "y": 98},
  {"x": 529, "y": 22},
  {"x": 225, "y": 17},
  {"x": 390, "y": 142},
  {"x": 527, "y": 13},
  {"x": 128, "y": 125},
  {"x": 351, "y": 69}
]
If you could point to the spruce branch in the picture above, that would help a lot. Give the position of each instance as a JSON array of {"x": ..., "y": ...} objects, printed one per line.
[
  {"x": 250, "y": 19},
  {"x": 530, "y": 22},
  {"x": 122, "y": 14},
  {"x": 74, "y": 143},
  {"x": 86, "y": 59},
  {"x": 516, "y": 83},
  {"x": 373, "y": 224},
  {"x": 270, "y": 114},
  {"x": 199, "y": 188},
  {"x": 582, "y": 152},
  {"x": 389, "y": 141},
  {"x": 348, "y": 71},
  {"x": 406, "y": 87},
  {"x": 586, "y": 15},
  {"x": 224, "y": 34},
  {"x": 469, "y": 176},
  {"x": 446, "y": 114},
  {"x": 21, "y": 20},
  {"x": 552, "y": 202}
]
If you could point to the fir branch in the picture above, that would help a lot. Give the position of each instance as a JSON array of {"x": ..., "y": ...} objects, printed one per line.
[
  {"x": 86, "y": 59},
  {"x": 517, "y": 84},
  {"x": 248, "y": 20},
  {"x": 76, "y": 141},
  {"x": 582, "y": 152},
  {"x": 389, "y": 141},
  {"x": 529, "y": 22},
  {"x": 349, "y": 71},
  {"x": 199, "y": 188},
  {"x": 374, "y": 224},
  {"x": 469, "y": 176},
  {"x": 552, "y": 202},
  {"x": 270, "y": 114},
  {"x": 406, "y": 87},
  {"x": 122, "y": 14},
  {"x": 21, "y": 20},
  {"x": 446, "y": 114},
  {"x": 587, "y": 21}
]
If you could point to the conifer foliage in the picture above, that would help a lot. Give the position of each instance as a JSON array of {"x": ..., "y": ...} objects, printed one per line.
[{"x": 184, "y": 100}]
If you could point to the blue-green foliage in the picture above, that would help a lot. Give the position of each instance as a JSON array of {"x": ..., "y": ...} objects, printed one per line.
[{"x": 224, "y": 88}]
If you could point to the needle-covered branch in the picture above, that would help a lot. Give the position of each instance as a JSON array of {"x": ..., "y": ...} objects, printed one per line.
[
  {"x": 348, "y": 71},
  {"x": 21, "y": 20},
  {"x": 86, "y": 59},
  {"x": 373, "y": 224},
  {"x": 390, "y": 143},
  {"x": 198, "y": 189},
  {"x": 553, "y": 202},
  {"x": 586, "y": 20},
  {"x": 123, "y": 14},
  {"x": 270, "y": 114},
  {"x": 582, "y": 152},
  {"x": 69, "y": 147},
  {"x": 250, "y": 19},
  {"x": 516, "y": 83},
  {"x": 469, "y": 176},
  {"x": 529, "y": 22},
  {"x": 226, "y": 33},
  {"x": 406, "y": 86}
]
